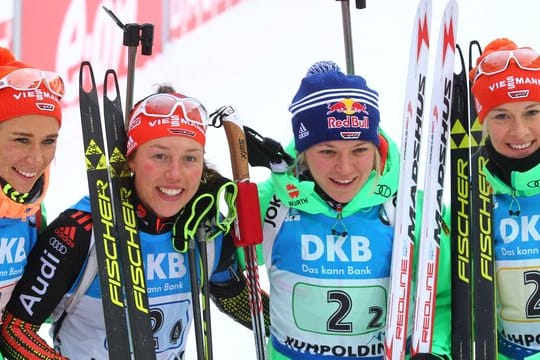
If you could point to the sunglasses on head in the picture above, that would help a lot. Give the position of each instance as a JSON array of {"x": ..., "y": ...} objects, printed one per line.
[
  {"x": 498, "y": 61},
  {"x": 30, "y": 79},
  {"x": 166, "y": 105}
]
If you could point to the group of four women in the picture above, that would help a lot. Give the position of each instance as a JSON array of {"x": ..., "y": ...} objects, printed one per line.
[{"x": 327, "y": 246}]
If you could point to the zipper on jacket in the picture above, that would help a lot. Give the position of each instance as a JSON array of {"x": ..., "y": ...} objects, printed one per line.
[
  {"x": 514, "y": 209},
  {"x": 339, "y": 228}
]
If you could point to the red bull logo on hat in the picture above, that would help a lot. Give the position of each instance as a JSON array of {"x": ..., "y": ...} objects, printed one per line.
[
  {"x": 355, "y": 111},
  {"x": 348, "y": 122},
  {"x": 348, "y": 107}
]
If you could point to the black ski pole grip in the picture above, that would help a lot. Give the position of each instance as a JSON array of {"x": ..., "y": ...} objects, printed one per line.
[
  {"x": 360, "y": 4},
  {"x": 132, "y": 34},
  {"x": 147, "y": 38}
]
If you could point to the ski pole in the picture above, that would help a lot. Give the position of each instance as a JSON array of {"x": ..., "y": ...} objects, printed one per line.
[
  {"x": 207, "y": 325},
  {"x": 133, "y": 35},
  {"x": 229, "y": 191},
  {"x": 347, "y": 32},
  {"x": 196, "y": 303},
  {"x": 247, "y": 228},
  {"x": 347, "y": 35},
  {"x": 193, "y": 226}
]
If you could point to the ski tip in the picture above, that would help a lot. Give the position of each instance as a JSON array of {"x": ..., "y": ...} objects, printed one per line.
[{"x": 87, "y": 83}]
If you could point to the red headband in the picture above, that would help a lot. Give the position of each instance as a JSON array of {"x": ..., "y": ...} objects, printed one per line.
[
  {"x": 16, "y": 102},
  {"x": 166, "y": 114},
  {"x": 512, "y": 83}
]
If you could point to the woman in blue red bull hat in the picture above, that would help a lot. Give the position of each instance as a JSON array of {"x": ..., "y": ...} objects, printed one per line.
[
  {"x": 166, "y": 138},
  {"x": 30, "y": 118},
  {"x": 328, "y": 228},
  {"x": 506, "y": 90}
]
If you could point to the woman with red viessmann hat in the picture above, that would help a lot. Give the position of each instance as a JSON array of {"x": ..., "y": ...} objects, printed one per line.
[
  {"x": 30, "y": 118},
  {"x": 165, "y": 152},
  {"x": 506, "y": 90}
]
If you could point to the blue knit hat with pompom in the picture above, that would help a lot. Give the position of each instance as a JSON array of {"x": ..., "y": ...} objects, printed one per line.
[{"x": 331, "y": 105}]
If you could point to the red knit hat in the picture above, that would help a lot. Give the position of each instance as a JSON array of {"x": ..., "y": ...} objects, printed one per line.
[
  {"x": 166, "y": 114},
  {"x": 506, "y": 81},
  {"x": 18, "y": 93}
]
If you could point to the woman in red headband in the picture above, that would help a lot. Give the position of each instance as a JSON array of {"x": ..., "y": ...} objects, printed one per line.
[
  {"x": 506, "y": 89},
  {"x": 165, "y": 150},
  {"x": 30, "y": 118}
]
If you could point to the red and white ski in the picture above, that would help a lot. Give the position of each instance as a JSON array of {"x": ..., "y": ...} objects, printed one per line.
[
  {"x": 405, "y": 217},
  {"x": 432, "y": 219}
]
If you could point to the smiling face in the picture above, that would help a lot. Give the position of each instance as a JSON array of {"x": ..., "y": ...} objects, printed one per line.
[
  {"x": 514, "y": 128},
  {"x": 27, "y": 147},
  {"x": 168, "y": 172},
  {"x": 340, "y": 167}
]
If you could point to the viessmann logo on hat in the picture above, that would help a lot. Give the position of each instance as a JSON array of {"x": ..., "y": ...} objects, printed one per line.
[{"x": 511, "y": 82}]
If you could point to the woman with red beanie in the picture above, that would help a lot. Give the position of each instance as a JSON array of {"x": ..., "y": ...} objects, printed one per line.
[
  {"x": 165, "y": 152},
  {"x": 30, "y": 118},
  {"x": 506, "y": 90}
]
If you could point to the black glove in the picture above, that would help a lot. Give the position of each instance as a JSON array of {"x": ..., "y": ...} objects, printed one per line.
[
  {"x": 263, "y": 151},
  {"x": 426, "y": 356}
]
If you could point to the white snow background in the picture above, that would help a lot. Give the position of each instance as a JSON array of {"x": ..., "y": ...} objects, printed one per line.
[{"x": 253, "y": 57}]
